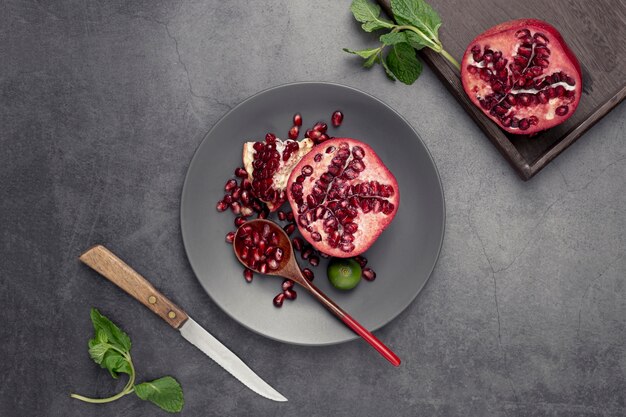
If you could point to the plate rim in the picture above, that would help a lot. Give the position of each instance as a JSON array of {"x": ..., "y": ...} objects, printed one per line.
[{"x": 286, "y": 85}]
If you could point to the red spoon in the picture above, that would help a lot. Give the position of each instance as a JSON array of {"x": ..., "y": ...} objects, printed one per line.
[{"x": 260, "y": 237}]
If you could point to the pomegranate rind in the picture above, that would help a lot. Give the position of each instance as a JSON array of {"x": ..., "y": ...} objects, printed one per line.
[
  {"x": 281, "y": 176},
  {"x": 502, "y": 38},
  {"x": 370, "y": 225}
]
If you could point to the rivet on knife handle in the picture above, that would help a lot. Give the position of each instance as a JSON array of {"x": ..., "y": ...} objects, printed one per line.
[{"x": 118, "y": 272}]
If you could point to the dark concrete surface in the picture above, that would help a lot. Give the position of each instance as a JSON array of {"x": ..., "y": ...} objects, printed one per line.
[{"x": 102, "y": 106}]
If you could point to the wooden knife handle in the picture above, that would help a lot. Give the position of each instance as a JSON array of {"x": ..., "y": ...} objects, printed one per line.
[{"x": 118, "y": 272}]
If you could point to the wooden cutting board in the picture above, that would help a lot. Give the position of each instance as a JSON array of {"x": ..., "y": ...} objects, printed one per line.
[{"x": 594, "y": 30}]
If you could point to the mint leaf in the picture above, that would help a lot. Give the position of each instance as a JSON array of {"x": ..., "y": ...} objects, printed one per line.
[
  {"x": 402, "y": 61},
  {"x": 369, "y": 62},
  {"x": 115, "y": 363},
  {"x": 418, "y": 13},
  {"x": 368, "y": 13},
  {"x": 165, "y": 392},
  {"x": 371, "y": 56},
  {"x": 363, "y": 53},
  {"x": 97, "y": 351},
  {"x": 393, "y": 38},
  {"x": 114, "y": 335},
  {"x": 387, "y": 70},
  {"x": 415, "y": 40},
  {"x": 376, "y": 25}
]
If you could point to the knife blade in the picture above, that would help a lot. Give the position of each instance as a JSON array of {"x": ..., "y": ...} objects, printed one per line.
[
  {"x": 117, "y": 271},
  {"x": 213, "y": 348}
]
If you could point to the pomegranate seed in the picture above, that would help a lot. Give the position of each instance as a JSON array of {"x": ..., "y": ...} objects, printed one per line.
[
  {"x": 308, "y": 274},
  {"x": 230, "y": 184},
  {"x": 281, "y": 215},
  {"x": 369, "y": 274},
  {"x": 287, "y": 284},
  {"x": 289, "y": 228},
  {"x": 228, "y": 199},
  {"x": 290, "y": 294},
  {"x": 313, "y": 134},
  {"x": 278, "y": 254},
  {"x": 290, "y": 216},
  {"x": 278, "y": 300},
  {"x": 272, "y": 264},
  {"x": 235, "y": 207},
  {"x": 314, "y": 260},
  {"x": 230, "y": 237},
  {"x": 297, "y": 243},
  {"x": 263, "y": 268},
  {"x": 270, "y": 138},
  {"x": 337, "y": 118},
  {"x": 221, "y": 205},
  {"x": 248, "y": 274},
  {"x": 240, "y": 220},
  {"x": 306, "y": 254},
  {"x": 320, "y": 127},
  {"x": 293, "y": 132},
  {"x": 361, "y": 260},
  {"x": 241, "y": 173},
  {"x": 297, "y": 119}
]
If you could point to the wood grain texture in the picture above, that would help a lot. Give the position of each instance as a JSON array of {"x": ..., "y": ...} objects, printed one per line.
[
  {"x": 594, "y": 31},
  {"x": 118, "y": 272}
]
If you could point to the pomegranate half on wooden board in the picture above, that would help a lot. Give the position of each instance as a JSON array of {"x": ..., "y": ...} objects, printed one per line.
[
  {"x": 522, "y": 75},
  {"x": 343, "y": 197}
]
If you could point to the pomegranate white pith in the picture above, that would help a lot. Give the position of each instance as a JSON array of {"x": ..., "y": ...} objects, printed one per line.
[
  {"x": 269, "y": 165},
  {"x": 522, "y": 75},
  {"x": 342, "y": 196}
]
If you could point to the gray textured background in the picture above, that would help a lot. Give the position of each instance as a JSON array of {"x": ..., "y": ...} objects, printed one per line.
[{"x": 103, "y": 105}]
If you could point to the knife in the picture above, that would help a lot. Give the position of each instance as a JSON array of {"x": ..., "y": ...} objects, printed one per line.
[{"x": 115, "y": 270}]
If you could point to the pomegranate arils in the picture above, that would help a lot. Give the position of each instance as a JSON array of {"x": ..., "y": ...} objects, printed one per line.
[
  {"x": 278, "y": 300},
  {"x": 337, "y": 118},
  {"x": 287, "y": 284},
  {"x": 368, "y": 274},
  {"x": 297, "y": 243},
  {"x": 308, "y": 274},
  {"x": 221, "y": 205},
  {"x": 297, "y": 119},
  {"x": 293, "y": 132},
  {"x": 314, "y": 260},
  {"x": 290, "y": 294},
  {"x": 289, "y": 228},
  {"x": 241, "y": 173},
  {"x": 534, "y": 87},
  {"x": 248, "y": 274},
  {"x": 230, "y": 237},
  {"x": 320, "y": 127}
]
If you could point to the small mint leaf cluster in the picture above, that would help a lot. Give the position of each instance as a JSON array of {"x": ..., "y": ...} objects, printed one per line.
[
  {"x": 110, "y": 348},
  {"x": 417, "y": 27}
]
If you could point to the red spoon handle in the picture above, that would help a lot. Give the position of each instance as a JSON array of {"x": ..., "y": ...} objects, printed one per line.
[
  {"x": 372, "y": 340},
  {"x": 353, "y": 324}
]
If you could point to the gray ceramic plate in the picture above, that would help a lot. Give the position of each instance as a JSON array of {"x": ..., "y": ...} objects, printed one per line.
[{"x": 403, "y": 257}]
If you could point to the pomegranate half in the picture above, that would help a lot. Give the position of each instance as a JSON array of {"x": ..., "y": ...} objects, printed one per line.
[
  {"x": 522, "y": 75},
  {"x": 342, "y": 196}
]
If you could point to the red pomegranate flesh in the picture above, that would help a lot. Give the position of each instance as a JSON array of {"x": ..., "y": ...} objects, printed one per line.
[
  {"x": 522, "y": 75},
  {"x": 269, "y": 164},
  {"x": 343, "y": 197}
]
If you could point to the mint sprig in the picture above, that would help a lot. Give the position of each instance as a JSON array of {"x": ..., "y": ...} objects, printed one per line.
[
  {"x": 417, "y": 27},
  {"x": 110, "y": 348}
]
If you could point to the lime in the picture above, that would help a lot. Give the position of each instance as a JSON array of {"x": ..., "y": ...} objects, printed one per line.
[{"x": 344, "y": 273}]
